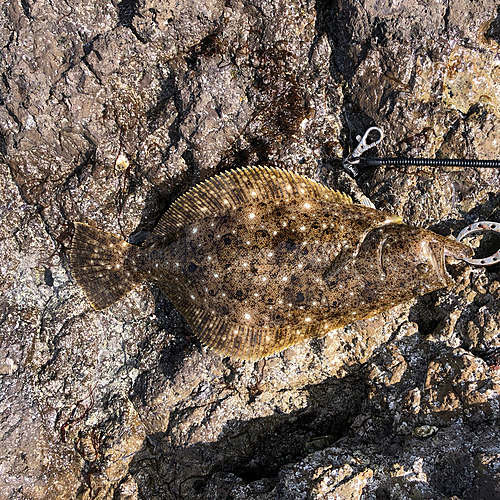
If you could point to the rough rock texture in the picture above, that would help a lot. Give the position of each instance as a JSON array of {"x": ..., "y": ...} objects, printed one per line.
[{"x": 108, "y": 111}]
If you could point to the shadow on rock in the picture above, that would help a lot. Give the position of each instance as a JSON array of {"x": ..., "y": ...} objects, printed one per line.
[{"x": 253, "y": 449}]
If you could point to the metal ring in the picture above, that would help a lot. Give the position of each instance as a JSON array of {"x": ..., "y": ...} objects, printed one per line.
[{"x": 481, "y": 227}]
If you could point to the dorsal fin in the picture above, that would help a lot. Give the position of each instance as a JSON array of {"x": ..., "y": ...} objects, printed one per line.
[{"x": 238, "y": 187}]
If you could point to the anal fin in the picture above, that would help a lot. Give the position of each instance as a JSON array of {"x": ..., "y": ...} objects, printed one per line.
[{"x": 242, "y": 342}]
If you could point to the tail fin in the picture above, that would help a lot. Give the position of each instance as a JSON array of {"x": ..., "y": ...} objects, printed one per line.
[{"x": 100, "y": 264}]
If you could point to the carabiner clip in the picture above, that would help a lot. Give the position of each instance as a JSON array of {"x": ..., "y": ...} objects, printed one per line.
[
  {"x": 363, "y": 145},
  {"x": 481, "y": 227}
]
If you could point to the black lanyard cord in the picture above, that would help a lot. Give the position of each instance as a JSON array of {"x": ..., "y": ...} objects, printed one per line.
[
  {"x": 352, "y": 163},
  {"x": 429, "y": 162}
]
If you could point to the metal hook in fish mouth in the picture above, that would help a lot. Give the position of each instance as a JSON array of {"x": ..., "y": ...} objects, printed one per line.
[{"x": 481, "y": 227}]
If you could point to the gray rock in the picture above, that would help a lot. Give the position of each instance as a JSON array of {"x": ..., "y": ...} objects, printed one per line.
[{"x": 107, "y": 113}]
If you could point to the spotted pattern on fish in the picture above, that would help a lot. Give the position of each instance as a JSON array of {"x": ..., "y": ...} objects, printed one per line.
[{"x": 259, "y": 259}]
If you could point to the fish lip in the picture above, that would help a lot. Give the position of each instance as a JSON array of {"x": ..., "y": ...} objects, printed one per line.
[{"x": 465, "y": 253}]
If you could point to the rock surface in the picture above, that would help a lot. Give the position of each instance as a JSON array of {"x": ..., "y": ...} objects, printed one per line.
[{"x": 109, "y": 111}]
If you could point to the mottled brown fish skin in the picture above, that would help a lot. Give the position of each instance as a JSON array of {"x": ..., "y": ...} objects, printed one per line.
[{"x": 270, "y": 267}]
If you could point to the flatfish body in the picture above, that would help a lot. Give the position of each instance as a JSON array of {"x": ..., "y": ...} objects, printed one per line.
[{"x": 260, "y": 259}]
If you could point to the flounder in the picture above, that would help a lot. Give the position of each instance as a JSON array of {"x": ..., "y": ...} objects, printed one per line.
[{"x": 259, "y": 259}]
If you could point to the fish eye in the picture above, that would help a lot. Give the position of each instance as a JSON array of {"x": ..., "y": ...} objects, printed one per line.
[{"x": 423, "y": 268}]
